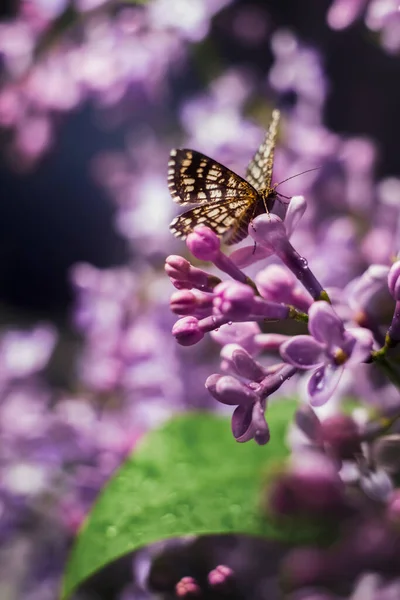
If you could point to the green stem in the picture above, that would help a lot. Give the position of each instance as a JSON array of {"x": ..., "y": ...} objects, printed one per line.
[
  {"x": 297, "y": 315},
  {"x": 379, "y": 357}
]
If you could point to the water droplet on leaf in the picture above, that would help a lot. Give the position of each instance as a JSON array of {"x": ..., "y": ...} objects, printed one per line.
[{"x": 111, "y": 531}]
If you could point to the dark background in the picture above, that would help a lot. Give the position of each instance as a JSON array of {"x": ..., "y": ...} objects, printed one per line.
[{"x": 55, "y": 215}]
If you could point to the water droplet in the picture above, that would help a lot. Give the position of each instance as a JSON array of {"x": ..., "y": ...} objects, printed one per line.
[
  {"x": 168, "y": 518},
  {"x": 305, "y": 263},
  {"x": 111, "y": 531},
  {"x": 217, "y": 329},
  {"x": 229, "y": 322}
]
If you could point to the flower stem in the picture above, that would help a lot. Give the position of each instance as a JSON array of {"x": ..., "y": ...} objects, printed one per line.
[{"x": 379, "y": 357}]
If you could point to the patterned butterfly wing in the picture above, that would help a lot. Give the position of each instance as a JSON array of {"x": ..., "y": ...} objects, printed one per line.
[
  {"x": 194, "y": 178},
  {"x": 226, "y": 202},
  {"x": 229, "y": 220},
  {"x": 259, "y": 171}
]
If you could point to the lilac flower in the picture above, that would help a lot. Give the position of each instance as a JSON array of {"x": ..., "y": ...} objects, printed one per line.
[
  {"x": 327, "y": 350},
  {"x": 248, "y": 420}
]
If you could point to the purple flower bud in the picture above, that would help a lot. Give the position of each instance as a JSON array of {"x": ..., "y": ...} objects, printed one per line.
[
  {"x": 184, "y": 276},
  {"x": 311, "y": 487},
  {"x": 187, "y": 331},
  {"x": 268, "y": 230},
  {"x": 221, "y": 577},
  {"x": 185, "y": 303},
  {"x": 235, "y": 300},
  {"x": 187, "y": 588},
  {"x": 229, "y": 390},
  {"x": 340, "y": 433},
  {"x": 276, "y": 283},
  {"x": 394, "y": 280},
  {"x": 203, "y": 243}
]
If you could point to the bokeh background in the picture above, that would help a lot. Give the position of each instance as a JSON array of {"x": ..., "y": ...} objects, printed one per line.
[{"x": 93, "y": 95}]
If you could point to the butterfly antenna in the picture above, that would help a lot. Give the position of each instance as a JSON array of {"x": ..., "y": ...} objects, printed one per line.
[{"x": 298, "y": 174}]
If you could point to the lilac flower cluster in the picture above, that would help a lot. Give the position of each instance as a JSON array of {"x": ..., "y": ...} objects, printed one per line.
[
  {"x": 59, "y": 446},
  {"x": 57, "y": 55},
  {"x": 381, "y": 16},
  {"x": 332, "y": 455},
  {"x": 259, "y": 319}
]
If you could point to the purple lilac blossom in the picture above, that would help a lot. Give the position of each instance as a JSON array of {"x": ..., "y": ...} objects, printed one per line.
[
  {"x": 102, "y": 56},
  {"x": 327, "y": 350},
  {"x": 124, "y": 347},
  {"x": 380, "y": 16}
]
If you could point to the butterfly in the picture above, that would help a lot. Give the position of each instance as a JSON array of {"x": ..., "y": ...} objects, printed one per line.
[{"x": 226, "y": 202}]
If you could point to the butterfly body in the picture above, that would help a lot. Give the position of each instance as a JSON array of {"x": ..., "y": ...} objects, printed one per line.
[{"x": 226, "y": 202}]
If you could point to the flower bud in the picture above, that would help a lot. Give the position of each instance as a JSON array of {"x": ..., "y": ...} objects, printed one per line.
[
  {"x": 187, "y": 331},
  {"x": 183, "y": 302},
  {"x": 233, "y": 299},
  {"x": 268, "y": 229},
  {"x": 187, "y": 588},
  {"x": 203, "y": 243},
  {"x": 220, "y": 578},
  {"x": 341, "y": 434},
  {"x": 310, "y": 487}
]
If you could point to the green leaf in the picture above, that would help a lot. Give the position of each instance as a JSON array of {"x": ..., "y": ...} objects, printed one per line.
[{"x": 189, "y": 477}]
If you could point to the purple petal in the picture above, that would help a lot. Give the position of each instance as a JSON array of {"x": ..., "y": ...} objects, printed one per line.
[
  {"x": 303, "y": 352},
  {"x": 260, "y": 427},
  {"x": 377, "y": 485},
  {"x": 361, "y": 346},
  {"x": 241, "y": 423},
  {"x": 247, "y": 255},
  {"x": 295, "y": 211},
  {"x": 242, "y": 363},
  {"x": 249, "y": 423},
  {"x": 308, "y": 422},
  {"x": 394, "y": 280},
  {"x": 325, "y": 325},
  {"x": 323, "y": 383},
  {"x": 231, "y": 391}
]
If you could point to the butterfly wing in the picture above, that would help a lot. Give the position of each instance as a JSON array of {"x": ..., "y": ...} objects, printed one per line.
[
  {"x": 259, "y": 171},
  {"x": 194, "y": 178},
  {"x": 228, "y": 219}
]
